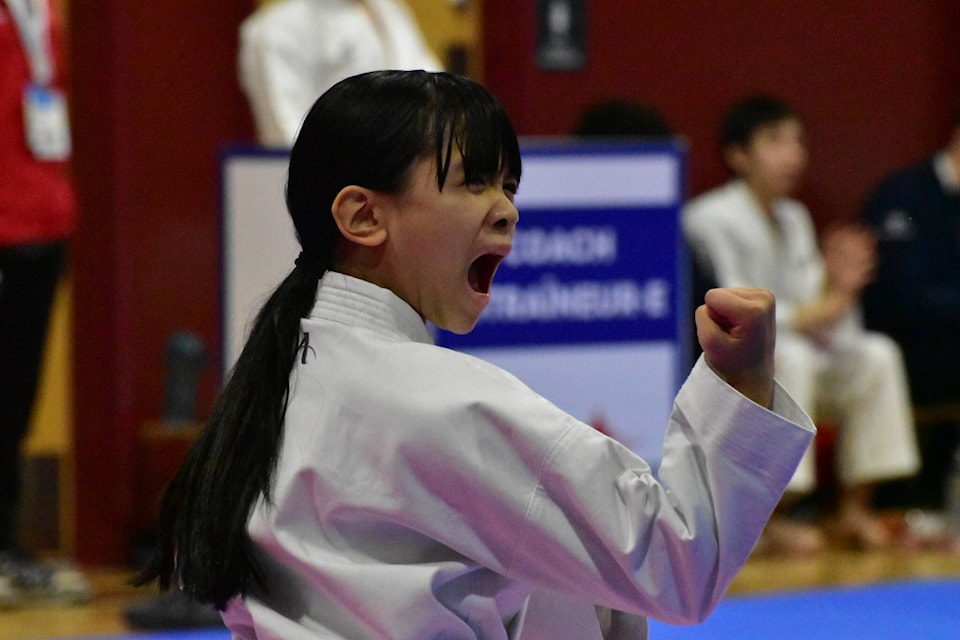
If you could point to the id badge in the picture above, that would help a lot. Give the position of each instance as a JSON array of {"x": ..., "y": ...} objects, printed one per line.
[{"x": 46, "y": 123}]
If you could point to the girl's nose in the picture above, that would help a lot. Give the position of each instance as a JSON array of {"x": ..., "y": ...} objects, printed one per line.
[{"x": 507, "y": 216}]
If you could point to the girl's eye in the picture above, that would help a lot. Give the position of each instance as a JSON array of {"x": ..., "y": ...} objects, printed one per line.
[{"x": 509, "y": 187}]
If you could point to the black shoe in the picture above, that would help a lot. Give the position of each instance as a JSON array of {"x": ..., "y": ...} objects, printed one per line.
[{"x": 172, "y": 610}]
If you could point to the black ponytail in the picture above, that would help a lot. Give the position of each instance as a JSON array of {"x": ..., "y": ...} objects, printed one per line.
[
  {"x": 202, "y": 541},
  {"x": 367, "y": 130}
]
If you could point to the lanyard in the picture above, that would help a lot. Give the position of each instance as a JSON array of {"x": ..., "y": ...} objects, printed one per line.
[{"x": 33, "y": 23}]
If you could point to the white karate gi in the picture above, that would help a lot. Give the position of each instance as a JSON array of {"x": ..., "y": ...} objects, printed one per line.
[
  {"x": 422, "y": 493},
  {"x": 292, "y": 51},
  {"x": 854, "y": 375}
]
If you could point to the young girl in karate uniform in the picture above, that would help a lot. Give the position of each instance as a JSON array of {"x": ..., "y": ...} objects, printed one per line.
[{"x": 357, "y": 481}]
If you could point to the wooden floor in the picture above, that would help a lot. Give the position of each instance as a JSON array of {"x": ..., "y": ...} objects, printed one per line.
[{"x": 103, "y": 616}]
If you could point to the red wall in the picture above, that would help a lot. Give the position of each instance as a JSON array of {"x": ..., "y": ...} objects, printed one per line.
[
  {"x": 154, "y": 97},
  {"x": 875, "y": 79}
]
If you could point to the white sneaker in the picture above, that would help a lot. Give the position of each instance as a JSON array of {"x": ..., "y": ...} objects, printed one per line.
[
  {"x": 24, "y": 580},
  {"x": 9, "y": 596}
]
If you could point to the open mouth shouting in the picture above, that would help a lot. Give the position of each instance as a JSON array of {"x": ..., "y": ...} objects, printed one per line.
[{"x": 481, "y": 272}]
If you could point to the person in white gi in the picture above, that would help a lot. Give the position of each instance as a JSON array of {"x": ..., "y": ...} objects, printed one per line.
[
  {"x": 749, "y": 232},
  {"x": 291, "y": 51},
  {"x": 356, "y": 481}
]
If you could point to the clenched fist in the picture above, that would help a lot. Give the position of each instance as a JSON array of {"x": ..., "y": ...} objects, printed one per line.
[{"x": 737, "y": 330}]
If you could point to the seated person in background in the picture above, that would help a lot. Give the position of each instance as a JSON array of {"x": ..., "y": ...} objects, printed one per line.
[
  {"x": 748, "y": 232},
  {"x": 915, "y": 297}
]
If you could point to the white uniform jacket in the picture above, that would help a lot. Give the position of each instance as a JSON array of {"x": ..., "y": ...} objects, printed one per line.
[
  {"x": 423, "y": 493},
  {"x": 743, "y": 247},
  {"x": 291, "y": 51}
]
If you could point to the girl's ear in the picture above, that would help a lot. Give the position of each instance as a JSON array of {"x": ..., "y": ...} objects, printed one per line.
[{"x": 357, "y": 217}]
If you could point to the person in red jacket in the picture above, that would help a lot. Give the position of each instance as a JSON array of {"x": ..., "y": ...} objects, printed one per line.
[{"x": 37, "y": 216}]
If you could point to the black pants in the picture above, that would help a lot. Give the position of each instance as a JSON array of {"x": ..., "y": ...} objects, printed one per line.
[{"x": 28, "y": 281}]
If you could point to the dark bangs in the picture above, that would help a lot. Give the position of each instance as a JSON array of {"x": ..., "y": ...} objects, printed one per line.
[
  {"x": 470, "y": 117},
  {"x": 748, "y": 116}
]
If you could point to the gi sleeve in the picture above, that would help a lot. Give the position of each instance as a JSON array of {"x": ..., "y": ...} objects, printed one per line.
[{"x": 604, "y": 529}]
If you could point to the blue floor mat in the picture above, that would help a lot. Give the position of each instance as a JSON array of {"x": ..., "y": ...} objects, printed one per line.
[{"x": 926, "y": 610}]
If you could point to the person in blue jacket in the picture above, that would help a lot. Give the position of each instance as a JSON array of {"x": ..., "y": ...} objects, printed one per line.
[{"x": 915, "y": 296}]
